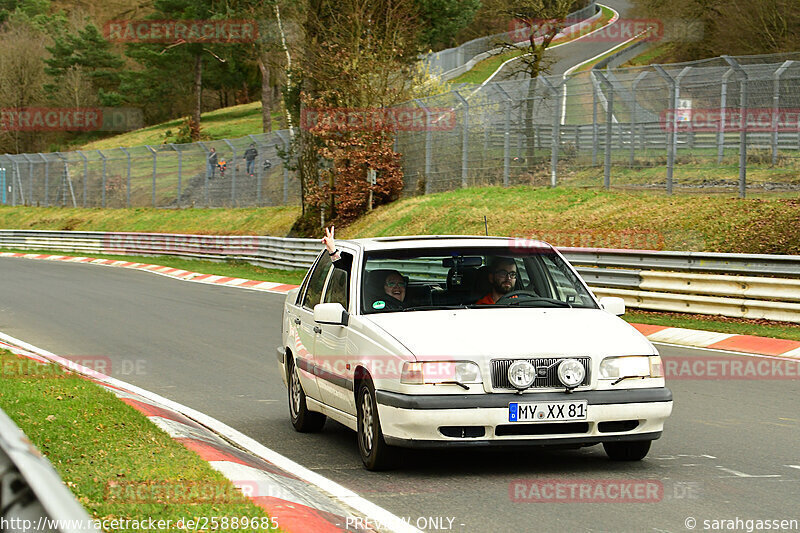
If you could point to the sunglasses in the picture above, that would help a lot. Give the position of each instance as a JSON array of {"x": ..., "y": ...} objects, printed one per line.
[
  {"x": 393, "y": 284},
  {"x": 505, "y": 274}
]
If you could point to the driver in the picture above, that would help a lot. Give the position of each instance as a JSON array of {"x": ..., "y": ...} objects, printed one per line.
[{"x": 502, "y": 279}]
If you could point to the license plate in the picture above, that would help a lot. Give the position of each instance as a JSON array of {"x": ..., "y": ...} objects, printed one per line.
[{"x": 547, "y": 412}]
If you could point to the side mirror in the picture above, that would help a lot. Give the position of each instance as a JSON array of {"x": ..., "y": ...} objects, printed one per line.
[
  {"x": 332, "y": 313},
  {"x": 613, "y": 304}
]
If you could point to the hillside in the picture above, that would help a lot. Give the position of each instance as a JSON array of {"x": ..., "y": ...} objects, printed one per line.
[{"x": 567, "y": 217}]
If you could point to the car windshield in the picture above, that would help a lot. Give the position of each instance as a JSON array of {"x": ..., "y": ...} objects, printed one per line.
[{"x": 486, "y": 277}]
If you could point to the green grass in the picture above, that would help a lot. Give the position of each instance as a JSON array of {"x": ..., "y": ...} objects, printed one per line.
[
  {"x": 232, "y": 269},
  {"x": 591, "y": 217},
  {"x": 274, "y": 221},
  {"x": 100, "y": 446},
  {"x": 225, "y": 123},
  {"x": 760, "y": 328}
]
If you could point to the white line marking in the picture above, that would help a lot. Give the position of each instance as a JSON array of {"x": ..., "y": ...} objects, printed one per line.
[
  {"x": 338, "y": 492},
  {"x": 742, "y": 474},
  {"x": 730, "y": 352},
  {"x": 793, "y": 466}
]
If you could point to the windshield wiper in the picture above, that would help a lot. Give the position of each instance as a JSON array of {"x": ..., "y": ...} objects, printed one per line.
[
  {"x": 434, "y": 307},
  {"x": 524, "y": 302}
]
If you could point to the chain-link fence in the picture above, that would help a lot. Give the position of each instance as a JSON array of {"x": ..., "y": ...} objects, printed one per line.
[
  {"x": 671, "y": 128},
  {"x": 165, "y": 175},
  {"x": 667, "y": 127}
]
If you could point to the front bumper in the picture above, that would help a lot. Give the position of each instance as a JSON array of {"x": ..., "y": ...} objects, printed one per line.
[{"x": 417, "y": 420}]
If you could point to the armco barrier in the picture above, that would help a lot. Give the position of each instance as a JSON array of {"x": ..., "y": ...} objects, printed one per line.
[
  {"x": 32, "y": 496},
  {"x": 737, "y": 285}
]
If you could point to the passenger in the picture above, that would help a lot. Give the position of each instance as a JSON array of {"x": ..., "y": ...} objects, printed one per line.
[
  {"x": 502, "y": 279},
  {"x": 395, "y": 286},
  {"x": 338, "y": 260}
]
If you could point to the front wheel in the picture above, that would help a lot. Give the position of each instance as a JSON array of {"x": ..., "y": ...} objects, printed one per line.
[
  {"x": 303, "y": 420},
  {"x": 375, "y": 453},
  {"x": 627, "y": 450}
]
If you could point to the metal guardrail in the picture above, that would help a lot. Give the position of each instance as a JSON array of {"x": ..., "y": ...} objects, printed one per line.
[
  {"x": 32, "y": 495},
  {"x": 737, "y": 285}
]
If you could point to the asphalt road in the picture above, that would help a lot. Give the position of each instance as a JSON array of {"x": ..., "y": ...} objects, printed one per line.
[
  {"x": 729, "y": 450},
  {"x": 567, "y": 56}
]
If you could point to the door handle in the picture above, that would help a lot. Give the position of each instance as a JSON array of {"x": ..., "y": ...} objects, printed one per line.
[
  {"x": 317, "y": 329},
  {"x": 297, "y": 321}
]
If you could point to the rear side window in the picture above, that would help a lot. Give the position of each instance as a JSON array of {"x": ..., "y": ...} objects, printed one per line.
[{"x": 316, "y": 282}]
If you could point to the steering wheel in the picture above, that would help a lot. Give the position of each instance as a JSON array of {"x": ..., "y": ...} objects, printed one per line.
[{"x": 509, "y": 297}]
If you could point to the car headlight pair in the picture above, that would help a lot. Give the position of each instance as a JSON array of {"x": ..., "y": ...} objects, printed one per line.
[
  {"x": 522, "y": 374},
  {"x": 418, "y": 373},
  {"x": 632, "y": 366}
]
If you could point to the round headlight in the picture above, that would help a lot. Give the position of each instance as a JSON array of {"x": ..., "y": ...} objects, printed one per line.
[
  {"x": 521, "y": 374},
  {"x": 571, "y": 373}
]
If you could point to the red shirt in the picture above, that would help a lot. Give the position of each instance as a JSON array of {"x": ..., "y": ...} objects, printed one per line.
[{"x": 486, "y": 300}]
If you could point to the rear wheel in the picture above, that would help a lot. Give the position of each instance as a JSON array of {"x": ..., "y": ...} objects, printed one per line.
[
  {"x": 627, "y": 450},
  {"x": 375, "y": 453},
  {"x": 303, "y": 420}
]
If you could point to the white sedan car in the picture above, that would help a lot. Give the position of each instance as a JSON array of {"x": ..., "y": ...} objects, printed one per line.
[{"x": 466, "y": 341}]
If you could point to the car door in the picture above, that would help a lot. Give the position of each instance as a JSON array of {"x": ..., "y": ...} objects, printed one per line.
[
  {"x": 305, "y": 329},
  {"x": 335, "y": 378}
]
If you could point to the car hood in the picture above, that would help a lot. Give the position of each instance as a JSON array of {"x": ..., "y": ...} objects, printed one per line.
[{"x": 493, "y": 333}]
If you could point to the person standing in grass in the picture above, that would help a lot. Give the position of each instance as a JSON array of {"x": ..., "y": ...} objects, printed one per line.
[
  {"x": 250, "y": 157},
  {"x": 211, "y": 163}
]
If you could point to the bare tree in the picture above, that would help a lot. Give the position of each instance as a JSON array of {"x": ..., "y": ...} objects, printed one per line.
[
  {"x": 22, "y": 78},
  {"x": 540, "y": 21}
]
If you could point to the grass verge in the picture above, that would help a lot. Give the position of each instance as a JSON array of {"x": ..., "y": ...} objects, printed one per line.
[
  {"x": 116, "y": 462},
  {"x": 739, "y": 326},
  {"x": 274, "y": 221},
  {"x": 232, "y": 269}
]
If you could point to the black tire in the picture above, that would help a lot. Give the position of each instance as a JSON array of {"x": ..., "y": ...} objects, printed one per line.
[
  {"x": 627, "y": 450},
  {"x": 375, "y": 453},
  {"x": 303, "y": 420}
]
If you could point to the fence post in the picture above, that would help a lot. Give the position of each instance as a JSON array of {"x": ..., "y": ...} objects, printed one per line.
[
  {"x": 30, "y": 180},
  {"x": 205, "y": 171},
  {"x": 428, "y": 147},
  {"x": 723, "y": 103},
  {"x": 85, "y": 176},
  {"x": 46, "y": 179},
  {"x": 743, "y": 131},
  {"x": 634, "y": 115},
  {"x": 233, "y": 173},
  {"x": 609, "y": 125},
  {"x": 103, "y": 186},
  {"x": 15, "y": 187},
  {"x": 556, "y": 133},
  {"x": 776, "y": 99},
  {"x": 506, "y": 134},
  {"x": 155, "y": 156},
  {"x": 595, "y": 134},
  {"x": 128, "y": 178},
  {"x": 180, "y": 173},
  {"x": 285, "y": 169},
  {"x": 464, "y": 140},
  {"x": 671, "y": 137}
]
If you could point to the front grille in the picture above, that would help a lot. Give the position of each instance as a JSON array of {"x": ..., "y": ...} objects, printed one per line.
[{"x": 547, "y": 365}]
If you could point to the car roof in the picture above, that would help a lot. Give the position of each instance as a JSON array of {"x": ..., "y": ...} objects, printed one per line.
[{"x": 443, "y": 241}]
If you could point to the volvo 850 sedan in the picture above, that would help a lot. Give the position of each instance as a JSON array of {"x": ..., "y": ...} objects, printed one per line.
[{"x": 427, "y": 342}]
